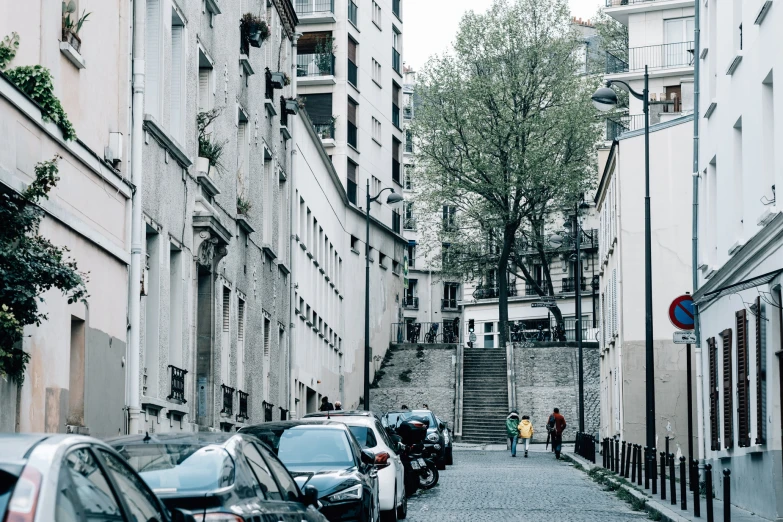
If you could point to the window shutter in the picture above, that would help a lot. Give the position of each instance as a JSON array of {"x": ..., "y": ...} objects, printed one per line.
[
  {"x": 203, "y": 90},
  {"x": 351, "y": 171},
  {"x": 714, "y": 394},
  {"x": 728, "y": 392},
  {"x": 152, "y": 58},
  {"x": 177, "y": 50},
  {"x": 352, "y": 51},
  {"x": 241, "y": 321},
  {"x": 226, "y": 309},
  {"x": 761, "y": 377},
  {"x": 743, "y": 380},
  {"x": 351, "y": 112},
  {"x": 614, "y": 302}
]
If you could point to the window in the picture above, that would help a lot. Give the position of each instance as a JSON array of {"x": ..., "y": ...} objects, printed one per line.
[
  {"x": 354, "y": 243},
  {"x": 319, "y": 108},
  {"x": 678, "y": 36},
  {"x": 445, "y": 254},
  {"x": 376, "y": 14},
  {"x": 396, "y": 59},
  {"x": 409, "y": 222},
  {"x": 397, "y": 8},
  {"x": 408, "y": 172},
  {"x": 761, "y": 369},
  {"x": 153, "y": 58},
  {"x": 266, "y": 486},
  {"x": 396, "y": 160},
  {"x": 225, "y": 340},
  {"x": 396, "y": 104},
  {"x": 142, "y": 503},
  {"x": 176, "y": 305},
  {"x": 411, "y": 294},
  {"x": 396, "y": 221},
  {"x": 353, "y": 139},
  {"x": 489, "y": 335},
  {"x": 353, "y": 13},
  {"x": 206, "y": 87},
  {"x": 409, "y": 141},
  {"x": 364, "y": 436},
  {"x": 177, "y": 94},
  {"x": 243, "y": 162},
  {"x": 450, "y": 296},
  {"x": 240, "y": 344},
  {"x": 449, "y": 218},
  {"x": 352, "y": 185},
  {"x": 411, "y": 254},
  {"x": 353, "y": 69},
  {"x": 376, "y": 130},
  {"x": 83, "y": 490},
  {"x": 152, "y": 319},
  {"x": 376, "y": 72}
]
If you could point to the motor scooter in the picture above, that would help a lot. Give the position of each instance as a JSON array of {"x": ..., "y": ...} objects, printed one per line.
[{"x": 420, "y": 470}]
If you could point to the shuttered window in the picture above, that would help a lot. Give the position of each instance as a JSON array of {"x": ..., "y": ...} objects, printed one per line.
[
  {"x": 743, "y": 381},
  {"x": 352, "y": 112},
  {"x": 352, "y": 50},
  {"x": 728, "y": 391},
  {"x": 761, "y": 373},
  {"x": 614, "y": 302},
  {"x": 395, "y": 94},
  {"x": 241, "y": 320},
  {"x": 267, "y": 326},
  {"x": 712, "y": 348},
  {"x": 226, "y": 309},
  {"x": 352, "y": 171},
  {"x": 152, "y": 60},
  {"x": 177, "y": 81}
]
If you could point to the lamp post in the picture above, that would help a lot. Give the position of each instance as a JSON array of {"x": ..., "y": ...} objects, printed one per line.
[
  {"x": 393, "y": 199},
  {"x": 605, "y": 99}
]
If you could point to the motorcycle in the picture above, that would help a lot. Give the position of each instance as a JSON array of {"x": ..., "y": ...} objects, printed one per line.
[{"x": 420, "y": 471}]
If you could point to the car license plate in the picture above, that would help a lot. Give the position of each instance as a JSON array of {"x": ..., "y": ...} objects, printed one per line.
[
  {"x": 414, "y": 464},
  {"x": 422, "y": 463}
]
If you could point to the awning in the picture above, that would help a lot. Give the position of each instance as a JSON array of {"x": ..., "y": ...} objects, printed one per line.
[{"x": 753, "y": 282}]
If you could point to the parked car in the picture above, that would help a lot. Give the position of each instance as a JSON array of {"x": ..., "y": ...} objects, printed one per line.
[
  {"x": 435, "y": 443},
  {"x": 71, "y": 478},
  {"x": 371, "y": 435},
  {"x": 448, "y": 442},
  {"x": 228, "y": 474},
  {"x": 326, "y": 455}
]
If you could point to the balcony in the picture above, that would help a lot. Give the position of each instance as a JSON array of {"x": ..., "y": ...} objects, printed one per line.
[
  {"x": 228, "y": 399},
  {"x": 588, "y": 241},
  {"x": 315, "y": 11},
  {"x": 325, "y": 131},
  {"x": 493, "y": 292},
  {"x": 569, "y": 285},
  {"x": 177, "y": 390},
  {"x": 449, "y": 305},
  {"x": 407, "y": 112},
  {"x": 242, "y": 415},
  {"x": 655, "y": 57},
  {"x": 315, "y": 69},
  {"x": 409, "y": 223},
  {"x": 621, "y": 9},
  {"x": 410, "y": 303},
  {"x": 396, "y": 61},
  {"x": 268, "y": 409}
]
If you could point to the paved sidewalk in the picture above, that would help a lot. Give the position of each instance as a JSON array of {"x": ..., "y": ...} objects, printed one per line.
[{"x": 671, "y": 513}]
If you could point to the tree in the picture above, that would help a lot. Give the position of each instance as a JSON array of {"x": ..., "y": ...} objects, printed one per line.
[
  {"x": 506, "y": 133},
  {"x": 29, "y": 266}
]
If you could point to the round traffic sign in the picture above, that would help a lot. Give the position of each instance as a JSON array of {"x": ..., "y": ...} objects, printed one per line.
[
  {"x": 681, "y": 312},
  {"x": 472, "y": 337}
]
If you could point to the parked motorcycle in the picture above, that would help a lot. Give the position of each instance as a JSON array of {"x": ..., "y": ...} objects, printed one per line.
[{"x": 420, "y": 471}]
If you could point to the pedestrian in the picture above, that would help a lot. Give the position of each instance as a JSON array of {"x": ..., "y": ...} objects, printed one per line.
[
  {"x": 326, "y": 405},
  {"x": 525, "y": 429},
  {"x": 403, "y": 407},
  {"x": 338, "y": 405},
  {"x": 512, "y": 425},
  {"x": 556, "y": 426},
  {"x": 426, "y": 407}
]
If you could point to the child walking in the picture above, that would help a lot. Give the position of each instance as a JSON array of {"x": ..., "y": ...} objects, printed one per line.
[{"x": 525, "y": 429}]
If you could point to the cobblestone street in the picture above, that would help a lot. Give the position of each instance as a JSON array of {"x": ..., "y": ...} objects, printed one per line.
[{"x": 492, "y": 486}]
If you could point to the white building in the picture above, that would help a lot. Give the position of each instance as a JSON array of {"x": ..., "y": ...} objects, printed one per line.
[
  {"x": 740, "y": 255},
  {"x": 620, "y": 200}
]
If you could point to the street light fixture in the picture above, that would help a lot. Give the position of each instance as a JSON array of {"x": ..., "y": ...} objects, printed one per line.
[
  {"x": 605, "y": 99},
  {"x": 393, "y": 200}
]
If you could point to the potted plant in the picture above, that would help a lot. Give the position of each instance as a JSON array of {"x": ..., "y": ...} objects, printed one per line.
[
  {"x": 209, "y": 150},
  {"x": 292, "y": 106},
  {"x": 278, "y": 80},
  {"x": 243, "y": 206},
  {"x": 254, "y": 29},
  {"x": 72, "y": 25}
]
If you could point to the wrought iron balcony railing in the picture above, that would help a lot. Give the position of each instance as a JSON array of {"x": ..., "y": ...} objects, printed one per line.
[
  {"x": 243, "y": 405},
  {"x": 177, "y": 390},
  {"x": 411, "y": 303},
  {"x": 663, "y": 56},
  {"x": 493, "y": 292},
  {"x": 268, "y": 408},
  {"x": 588, "y": 241},
  {"x": 306, "y": 7},
  {"x": 316, "y": 64},
  {"x": 569, "y": 285},
  {"x": 449, "y": 305},
  {"x": 619, "y": 3},
  {"x": 447, "y": 332},
  {"x": 324, "y": 130},
  {"x": 228, "y": 399}
]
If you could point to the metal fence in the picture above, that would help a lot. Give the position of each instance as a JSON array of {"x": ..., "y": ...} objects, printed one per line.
[
  {"x": 661, "y": 56},
  {"x": 316, "y": 64},
  {"x": 228, "y": 399},
  {"x": 446, "y": 332},
  {"x": 314, "y": 6},
  {"x": 177, "y": 391},
  {"x": 585, "y": 446},
  {"x": 324, "y": 130}
]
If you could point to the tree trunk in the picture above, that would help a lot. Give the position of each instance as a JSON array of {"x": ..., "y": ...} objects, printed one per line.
[{"x": 505, "y": 254}]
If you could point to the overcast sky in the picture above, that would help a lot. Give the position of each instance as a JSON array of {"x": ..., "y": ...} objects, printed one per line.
[{"x": 430, "y": 25}]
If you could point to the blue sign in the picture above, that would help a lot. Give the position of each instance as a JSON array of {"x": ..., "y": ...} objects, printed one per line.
[{"x": 681, "y": 312}]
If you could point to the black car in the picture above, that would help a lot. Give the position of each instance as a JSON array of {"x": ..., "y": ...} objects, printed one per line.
[
  {"x": 227, "y": 474},
  {"x": 325, "y": 454},
  {"x": 435, "y": 443}
]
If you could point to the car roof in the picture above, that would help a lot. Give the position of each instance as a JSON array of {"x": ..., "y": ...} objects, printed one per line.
[
  {"x": 342, "y": 413},
  {"x": 203, "y": 438},
  {"x": 16, "y": 446},
  {"x": 299, "y": 424}
]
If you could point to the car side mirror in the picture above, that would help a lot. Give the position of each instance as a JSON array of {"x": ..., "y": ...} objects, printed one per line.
[
  {"x": 310, "y": 496},
  {"x": 180, "y": 515},
  {"x": 368, "y": 457},
  {"x": 441, "y": 426}
]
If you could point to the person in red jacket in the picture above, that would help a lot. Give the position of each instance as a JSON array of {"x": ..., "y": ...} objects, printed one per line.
[{"x": 556, "y": 426}]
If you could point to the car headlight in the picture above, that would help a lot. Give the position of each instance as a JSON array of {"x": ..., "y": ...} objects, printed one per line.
[
  {"x": 432, "y": 437},
  {"x": 352, "y": 493}
]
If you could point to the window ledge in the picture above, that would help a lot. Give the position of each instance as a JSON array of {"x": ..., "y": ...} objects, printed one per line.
[
  {"x": 355, "y": 251},
  {"x": 167, "y": 141},
  {"x": 378, "y": 142},
  {"x": 355, "y": 26},
  {"x": 269, "y": 252},
  {"x": 734, "y": 64},
  {"x": 385, "y": 267},
  {"x": 270, "y": 107},
  {"x": 713, "y": 105},
  {"x": 378, "y": 84},
  {"x": 244, "y": 224},
  {"x": 244, "y": 61},
  {"x": 733, "y": 249},
  {"x": 73, "y": 55},
  {"x": 213, "y": 7},
  {"x": 354, "y": 149},
  {"x": 302, "y": 246}
]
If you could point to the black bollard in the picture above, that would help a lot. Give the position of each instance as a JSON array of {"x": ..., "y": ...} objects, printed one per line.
[
  {"x": 672, "y": 480},
  {"x": 622, "y": 461},
  {"x": 695, "y": 481},
  {"x": 683, "y": 485},
  {"x": 646, "y": 467},
  {"x": 726, "y": 495},
  {"x": 639, "y": 464},
  {"x": 653, "y": 471},
  {"x": 667, "y": 444},
  {"x": 663, "y": 476},
  {"x": 611, "y": 455},
  {"x": 628, "y": 461},
  {"x": 708, "y": 498},
  {"x": 617, "y": 455},
  {"x": 633, "y": 463}
]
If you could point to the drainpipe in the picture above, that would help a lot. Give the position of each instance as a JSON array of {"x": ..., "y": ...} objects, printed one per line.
[
  {"x": 695, "y": 224},
  {"x": 291, "y": 245},
  {"x": 133, "y": 399}
]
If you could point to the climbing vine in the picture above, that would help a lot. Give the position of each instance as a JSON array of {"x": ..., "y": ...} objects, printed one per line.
[
  {"x": 8, "y": 48},
  {"x": 36, "y": 82}
]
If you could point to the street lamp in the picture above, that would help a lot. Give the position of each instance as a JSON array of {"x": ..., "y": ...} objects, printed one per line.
[
  {"x": 605, "y": 99},
  {"x": 393, "y": 200}
]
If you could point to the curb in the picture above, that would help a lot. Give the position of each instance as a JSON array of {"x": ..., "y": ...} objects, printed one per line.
[{"x": 651, "y": 505}]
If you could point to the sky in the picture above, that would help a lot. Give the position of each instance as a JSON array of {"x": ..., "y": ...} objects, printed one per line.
[{"x": 430, "y": 25}]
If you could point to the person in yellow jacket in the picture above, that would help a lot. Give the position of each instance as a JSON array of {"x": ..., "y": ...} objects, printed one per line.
[{"x": 525, "y": 429}]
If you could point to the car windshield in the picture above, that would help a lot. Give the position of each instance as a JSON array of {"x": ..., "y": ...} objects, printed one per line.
[
  {"x": 177, "y": 468},
  {"x": 364, "y": 436},
  {"x": 394, "y": 419},
  {"x": 325, "y": 447}
]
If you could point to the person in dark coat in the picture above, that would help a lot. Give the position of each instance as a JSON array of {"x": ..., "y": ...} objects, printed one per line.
[
  {"x": 556, "y": 426},
  {"x": 326, "y": 405}
]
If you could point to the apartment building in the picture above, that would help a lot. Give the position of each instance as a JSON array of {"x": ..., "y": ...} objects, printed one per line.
[
  {"x": 621, "y": 267},
  {"x": 214, "y": 314},
  {"x": 739, "y": 255},
  {"x": 75, "y": 379},
  {"x": 349, "y": 74},
  {"x": 660, "y": 37}
]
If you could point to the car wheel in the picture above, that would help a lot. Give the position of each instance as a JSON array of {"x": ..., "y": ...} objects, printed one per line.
[
  {"x": 450, "y": 457},
  {"x": 402, "y": 509},
  {"x": 391, "y": 515}
]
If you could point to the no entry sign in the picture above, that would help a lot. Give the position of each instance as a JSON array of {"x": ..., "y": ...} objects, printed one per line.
[{"x": 681, "y": 312}]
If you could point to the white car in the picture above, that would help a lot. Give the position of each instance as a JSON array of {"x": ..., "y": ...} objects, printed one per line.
[{"x": 369, "y": 432}]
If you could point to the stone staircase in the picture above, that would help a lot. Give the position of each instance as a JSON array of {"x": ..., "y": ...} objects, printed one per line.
[{"x": 484, "y": 395}]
